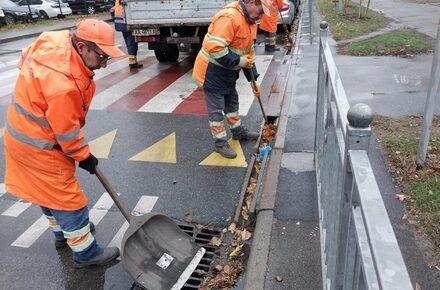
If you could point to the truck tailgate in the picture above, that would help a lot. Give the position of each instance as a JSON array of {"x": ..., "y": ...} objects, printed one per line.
[{"x": 171, "y": 12}]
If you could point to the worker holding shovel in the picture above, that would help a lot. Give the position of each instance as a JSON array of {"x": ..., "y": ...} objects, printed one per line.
[
  {"x": 269, "y": 26},
  {"x": 227, "y": 48},
  {"x": 43, "y": 136}
]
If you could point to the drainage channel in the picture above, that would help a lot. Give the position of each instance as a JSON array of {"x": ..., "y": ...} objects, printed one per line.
[{"x": 202, "y": 237}]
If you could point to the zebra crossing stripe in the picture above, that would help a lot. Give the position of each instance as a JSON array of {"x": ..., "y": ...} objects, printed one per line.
[
  {"x": 26, "y": 239},
  {"x": 167, "y": 100},
  {"x": 32, "y": 233},
  {"x": 144, "y": 205},
  {"x": 16, "y": 209},
  {"x": 100, "y": 208},
  {"x": 2, "y": 189},
  {"x": 118, "y": 90}
]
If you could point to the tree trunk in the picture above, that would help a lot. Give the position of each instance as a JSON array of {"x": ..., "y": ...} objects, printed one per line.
[{"x": 368, "y": 7}]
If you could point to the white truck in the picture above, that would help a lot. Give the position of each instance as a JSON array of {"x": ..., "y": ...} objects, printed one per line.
[{"x": 170, "y": 26}]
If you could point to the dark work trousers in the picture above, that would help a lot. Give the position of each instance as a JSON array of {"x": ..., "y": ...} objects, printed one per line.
[
  {"x": 220, "y": 106},
  {"x": 270, "y": 40},
  {"x": 132, "y": 45}
]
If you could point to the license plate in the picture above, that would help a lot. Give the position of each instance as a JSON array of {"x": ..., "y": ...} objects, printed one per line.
[
  {"x": 34, "y": 16},
  {"x": 146, "y": 32}
]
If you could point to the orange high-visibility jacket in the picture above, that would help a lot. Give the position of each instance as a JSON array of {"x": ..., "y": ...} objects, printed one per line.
[
  {"x": 43, "y": 136},
  {"x": 230, "y": 35},
  {"x": 269, "y": 23}
]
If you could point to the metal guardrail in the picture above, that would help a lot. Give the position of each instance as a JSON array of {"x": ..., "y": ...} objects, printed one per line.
[{"x": 358, "y": 247}]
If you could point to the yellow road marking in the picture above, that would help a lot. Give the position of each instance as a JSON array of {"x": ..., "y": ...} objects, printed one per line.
[
  {"x": 216, "y": 159},
  {"x": 101, "y": 146},
  {"x": 163, "y": 151}
]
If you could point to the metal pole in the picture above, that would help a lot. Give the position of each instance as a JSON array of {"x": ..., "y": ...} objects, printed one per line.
[
  {"x": 433, "y": 92},
  {"x": 310, "y": 19}
]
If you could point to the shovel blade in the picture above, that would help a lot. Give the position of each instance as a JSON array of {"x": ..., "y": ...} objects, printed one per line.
[{"x": 158, "y": 254}]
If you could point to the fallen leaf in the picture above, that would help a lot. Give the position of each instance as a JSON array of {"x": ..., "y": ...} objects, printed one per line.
[
  {"x": 236, "y": 252},
  {"x": 245, "y": 235},
  {"x": 227, "y": 269},
  {"x": 418, "y": 286},
  {"x": 199, "y": 226},
  {"x": 232, "y": 227},
  {"x": 218, "y": 268},
  {"x": 245, "y": 213},
  {"x": 401, "y": 197},
  {"x": 279, "y": 278},
  {"x": 188, "y": 217},
  {"x": 224, "y": 230},
  {"x": 215, "y": 241}
]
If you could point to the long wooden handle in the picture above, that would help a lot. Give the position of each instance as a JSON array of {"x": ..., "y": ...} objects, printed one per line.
[{"x": 104, "y": 181}]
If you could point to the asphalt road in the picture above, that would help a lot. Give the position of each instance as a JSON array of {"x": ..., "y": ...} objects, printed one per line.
[{"x": 149, "y": 128}]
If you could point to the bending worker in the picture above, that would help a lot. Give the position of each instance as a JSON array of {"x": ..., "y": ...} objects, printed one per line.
[
  {"x": 43, "y": 136},
  {"x": 227, "y": 48},
  {"x": 130, "y": 42},
  {"x": 269, "y": 26}
]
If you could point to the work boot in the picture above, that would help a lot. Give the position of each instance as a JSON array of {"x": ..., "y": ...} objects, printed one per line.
[
  {"x": 135, "y": 65},
  {"x": 226, "y": 151},
  {"x": 59, "y": 244},
  {"x": 107, "y": 255},
  {"x": 246, "y": 135}
]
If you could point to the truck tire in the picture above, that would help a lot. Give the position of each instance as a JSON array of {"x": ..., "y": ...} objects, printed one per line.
[
  {"x": 161, "y": 55},
  {"x": 172, "y": 52}
]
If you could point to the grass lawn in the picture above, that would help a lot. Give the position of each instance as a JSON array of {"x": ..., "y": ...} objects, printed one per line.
[
  {"x": 399, "y": 43},
  {"x": 421, "y": 187},
  {"x": 349, "y": 26},
  {"x": 47, "y": 22}
]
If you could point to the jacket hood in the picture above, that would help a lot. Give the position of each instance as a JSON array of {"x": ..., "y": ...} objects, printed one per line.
[{"x": 54, "y": 50}]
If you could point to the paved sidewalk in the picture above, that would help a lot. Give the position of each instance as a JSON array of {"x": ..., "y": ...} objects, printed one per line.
[
  {"x": 30, "y": 32},
  {"x": 422, "y": 17}
]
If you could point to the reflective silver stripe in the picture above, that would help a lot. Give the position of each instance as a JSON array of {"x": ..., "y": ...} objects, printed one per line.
[
  {"x": 68, "y": 136},
  {"x": 40, "y": 121},
  {"x": 45, "y": 145}
]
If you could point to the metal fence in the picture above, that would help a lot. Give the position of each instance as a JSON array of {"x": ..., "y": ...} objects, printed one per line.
[{"x": 358, "y": 245}]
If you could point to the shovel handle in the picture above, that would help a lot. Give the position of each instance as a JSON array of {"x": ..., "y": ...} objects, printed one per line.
[
  {"x": 104, "y": 181},
  {"x": 254, "y": 84}
]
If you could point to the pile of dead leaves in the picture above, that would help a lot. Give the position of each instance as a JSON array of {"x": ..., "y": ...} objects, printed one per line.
[
  {"x": 250, "y": 192},
  {"x": 269, "y": 131},
  {"x": 225, "y": 275}
]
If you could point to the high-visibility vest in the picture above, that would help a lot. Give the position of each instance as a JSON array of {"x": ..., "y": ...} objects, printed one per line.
[
  {"x": 228, "y": 31},
  {"x": 119, "y": 12},
  {"x": 43, "y": 136},
  {"x": 269, "y": 23}
]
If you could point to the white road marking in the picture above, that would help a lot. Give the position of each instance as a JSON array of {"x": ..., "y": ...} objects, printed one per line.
[
  {"x": 167, "y": 100},
  {"x": 16, "y": 209},
  {"x": 26, "y": 239},
  {"x": 100, "y": 208},
  {"x": 144, "y": 205},
  {"x": 2, "y": 189},
  {"x": 32, "y": 233}
]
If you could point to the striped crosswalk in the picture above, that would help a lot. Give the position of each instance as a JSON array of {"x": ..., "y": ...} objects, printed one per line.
[
  {"x": 155, "y": 88},
  {"x": 97, "y": 213}
]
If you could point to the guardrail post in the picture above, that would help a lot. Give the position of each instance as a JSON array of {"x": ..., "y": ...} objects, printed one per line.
[{"x": 358, "y": 135}]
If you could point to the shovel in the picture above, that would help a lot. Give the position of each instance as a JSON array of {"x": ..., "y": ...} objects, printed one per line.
[
  {"x": 254, "y": 85},
  {"x": 155, "y": 252}
]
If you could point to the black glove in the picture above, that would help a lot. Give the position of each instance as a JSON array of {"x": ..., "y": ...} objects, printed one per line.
[{"x": 89, "y": 164}]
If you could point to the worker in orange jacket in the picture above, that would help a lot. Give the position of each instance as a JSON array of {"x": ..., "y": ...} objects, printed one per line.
[
  {"x": 130, "y": 41},
  {"x": 43, "y": 137},
  {"x": 269, "y": 26},
  {"x": 227, "y": 48}
]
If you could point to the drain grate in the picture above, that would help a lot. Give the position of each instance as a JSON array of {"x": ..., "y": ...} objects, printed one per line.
[{"x": 202, "y": 238}]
